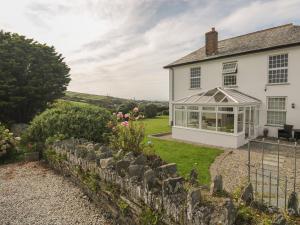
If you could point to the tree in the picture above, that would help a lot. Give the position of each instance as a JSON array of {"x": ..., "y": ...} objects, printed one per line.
[
  {"x": 150, "y": 110},
  {"x": 127, "y": 107},
  {"x": 32, "y": 75}
]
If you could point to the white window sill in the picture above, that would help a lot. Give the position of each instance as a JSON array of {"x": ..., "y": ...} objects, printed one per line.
[
  {"x": 199, "y": 88},
  {"x": 230, "y": 86},
  {"x": 275, "y": 84},
  {"x": 273, "y": 125}
]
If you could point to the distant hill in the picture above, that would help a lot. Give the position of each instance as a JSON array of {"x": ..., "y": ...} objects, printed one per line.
[{"x": 109, "y": 102}]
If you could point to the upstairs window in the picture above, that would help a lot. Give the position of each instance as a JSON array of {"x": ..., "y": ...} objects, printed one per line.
[
  {"x": 229, "y": 72},
  {"x": 276, "y": 114},
  {"x": 195, "y": 77},
  {"x": 278, "y": 69}
]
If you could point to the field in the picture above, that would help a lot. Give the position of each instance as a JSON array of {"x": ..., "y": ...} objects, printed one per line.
[{"x": 186, "y": 156}]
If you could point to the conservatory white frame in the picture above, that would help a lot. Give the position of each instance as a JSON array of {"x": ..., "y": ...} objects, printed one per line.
[{"x": 244, "y": 109}]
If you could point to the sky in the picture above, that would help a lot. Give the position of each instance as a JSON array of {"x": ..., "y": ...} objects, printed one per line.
[{"x": 119, "y": 47}]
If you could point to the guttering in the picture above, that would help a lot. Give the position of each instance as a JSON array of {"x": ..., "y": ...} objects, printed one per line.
[{"x": 235, "y": 54}]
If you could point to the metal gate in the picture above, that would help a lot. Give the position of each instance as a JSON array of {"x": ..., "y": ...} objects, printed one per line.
[{"x": 273, "y": 169}]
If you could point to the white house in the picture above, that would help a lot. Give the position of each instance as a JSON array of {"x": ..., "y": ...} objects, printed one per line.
[{"x": 231, "y": 90}]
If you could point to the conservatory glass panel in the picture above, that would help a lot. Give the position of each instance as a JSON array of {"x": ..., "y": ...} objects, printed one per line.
[
  {"x": 193, "y": 119},
  {"x": 208, "y": 121},
  {"x": 226, "y": 122},
  {"x": 180, "y": 118},
  {"x": 208, "y": 108},
  {"x": 240, "y": 122}
]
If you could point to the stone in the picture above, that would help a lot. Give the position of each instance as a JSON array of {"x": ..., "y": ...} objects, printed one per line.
[
  {"x": 140, "y": 160},
  {"x": 293, "y": 204},
  {"x": 247, "y": 194},
  {"x": 106, "y": 163},
  {"x": 97, "y": 146},
  {"x": 156, "y": 163},
  {"x": 279, "y": 220},
  {"x": 173, "y": 185},
  {"x": 193, "y": 200},
  {"x": 136, "y": 171},
  {"x": 217, "y": 185},
  {"x": 119, "y": 154},
  {"x": 122, "y": 167},
  {"x": 149, "y": 179},
  {"x": 129, "y": 156},
  {"x": 31, "y": 156},
  {"x": 90, "y": 147},
  {"x": 168, "y": 170},
  {"x": 104, "y": 148},
  {"x": 194, "y": 177}
]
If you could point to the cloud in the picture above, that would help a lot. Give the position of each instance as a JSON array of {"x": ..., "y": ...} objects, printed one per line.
[{"x": 119, "y": 47}]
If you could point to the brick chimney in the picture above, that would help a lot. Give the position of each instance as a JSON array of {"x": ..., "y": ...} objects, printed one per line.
[{"x": 211, "y": 42}]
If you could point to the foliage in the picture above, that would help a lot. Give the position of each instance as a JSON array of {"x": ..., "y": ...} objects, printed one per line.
[
  {"x": 31, "y": 76},
  {"x": 150, "y": 110},
  {"x": 128, "y": 136},
  {"x": 69, "y": 120},
  {"x": 7, "y": 141},
  {"x": 123, "y": 206},
  {"x": 127, "y": 107},
  {"x": 148, "y": 217}
]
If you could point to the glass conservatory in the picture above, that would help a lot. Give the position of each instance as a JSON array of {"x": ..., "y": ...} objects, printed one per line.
[{"x": 218, "y": 111}]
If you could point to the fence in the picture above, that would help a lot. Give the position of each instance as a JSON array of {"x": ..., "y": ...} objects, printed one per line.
[{"x": 273, "y": 170}]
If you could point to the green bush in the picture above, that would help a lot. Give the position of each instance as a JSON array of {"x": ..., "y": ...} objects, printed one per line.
[
  {"x": 69, "y": 120},
  {"x": 150, "y": 110}
]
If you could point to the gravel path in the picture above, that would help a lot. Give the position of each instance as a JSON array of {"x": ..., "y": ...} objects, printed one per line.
[
  {"x": 32, "y": 194},
  {"x": 232, "y": 165}
]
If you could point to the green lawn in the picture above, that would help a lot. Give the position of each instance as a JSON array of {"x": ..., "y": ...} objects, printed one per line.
[{"x": 186, "y": 156}]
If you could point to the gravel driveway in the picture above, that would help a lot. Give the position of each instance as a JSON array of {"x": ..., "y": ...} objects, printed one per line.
[{"x": 33, "y": 194}]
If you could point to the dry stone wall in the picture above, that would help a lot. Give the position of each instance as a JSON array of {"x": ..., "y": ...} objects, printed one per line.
[{"x": 135, "y": 187}]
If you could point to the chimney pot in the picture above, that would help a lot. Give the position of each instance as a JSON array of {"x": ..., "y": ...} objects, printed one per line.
[{"x": 211, "y": 42}]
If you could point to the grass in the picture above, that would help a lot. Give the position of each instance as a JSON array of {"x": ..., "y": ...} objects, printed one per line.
[
  {"x": 186, "y": 156},
  {"x": 84, "y": 96}
]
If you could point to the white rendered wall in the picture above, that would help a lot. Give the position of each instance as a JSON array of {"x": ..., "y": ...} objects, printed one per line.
[
  {"x": 252, "y": 79},
  {"x": 208, "y": 137}
]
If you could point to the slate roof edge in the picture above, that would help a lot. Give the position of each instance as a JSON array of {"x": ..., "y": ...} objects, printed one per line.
[{"x": 234, "y": 54}]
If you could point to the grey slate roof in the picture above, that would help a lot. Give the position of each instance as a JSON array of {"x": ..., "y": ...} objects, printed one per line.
[
  {"x": 219, "y": 96},
  {"x": 275, "y": 37}
]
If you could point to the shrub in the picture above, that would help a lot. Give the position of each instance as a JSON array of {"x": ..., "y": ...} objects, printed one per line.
[
  {"x": 150, "y": 110},
  {"x": 69, "y": 120},
  {"x": 128, "y": 136},
  {"x": 7, "y": 141},
  {"x": 127, "y": 107}
]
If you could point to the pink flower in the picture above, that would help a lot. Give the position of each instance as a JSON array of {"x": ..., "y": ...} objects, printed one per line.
[
  {"x": 136, "y": 109},
  {"x": 120, "y": 115},
  {"x": 126, "y": 115},
  {"x": 125, "y": 124}
]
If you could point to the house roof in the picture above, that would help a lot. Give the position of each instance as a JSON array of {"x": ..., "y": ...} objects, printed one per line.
[
  {"x": 219, "y": 96},
  {"x": 272, "y": 38}
]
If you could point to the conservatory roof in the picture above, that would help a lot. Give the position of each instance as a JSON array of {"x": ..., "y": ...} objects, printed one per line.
[{"x": 219, "y": 96}]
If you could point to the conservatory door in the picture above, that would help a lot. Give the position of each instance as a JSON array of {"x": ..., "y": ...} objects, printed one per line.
[{"x": 249, "y": 121}]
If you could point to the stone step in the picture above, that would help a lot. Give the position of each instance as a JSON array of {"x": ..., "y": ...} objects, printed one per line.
[{"x": 273, "y": 163}]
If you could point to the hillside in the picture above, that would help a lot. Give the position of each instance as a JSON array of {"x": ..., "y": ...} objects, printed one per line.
[{"x": 109, "y": 102}]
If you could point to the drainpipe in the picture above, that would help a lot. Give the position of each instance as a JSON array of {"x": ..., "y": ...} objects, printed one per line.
[{"x": 172, "y": 95}]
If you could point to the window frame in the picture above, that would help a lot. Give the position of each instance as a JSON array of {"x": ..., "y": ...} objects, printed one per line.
[
  {"x": 194, "y": 78},
  {"x": 229, "y": 74},
  {"x": 277, "y": 69},
  {"x": 276, "y": 110}
]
